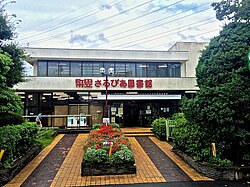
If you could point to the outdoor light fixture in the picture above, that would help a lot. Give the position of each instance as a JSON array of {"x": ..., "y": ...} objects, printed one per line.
[{"x": 103, "y": 72}]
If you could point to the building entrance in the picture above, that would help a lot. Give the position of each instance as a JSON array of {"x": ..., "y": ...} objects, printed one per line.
[
  {"x": 138, "y": 114},
  {"x": 131, "y": 115}
]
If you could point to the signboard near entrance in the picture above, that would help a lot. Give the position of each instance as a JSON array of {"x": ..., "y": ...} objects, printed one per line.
[
  {"x": 105, "y": 120},
  {"x": 130, "y": 83}
]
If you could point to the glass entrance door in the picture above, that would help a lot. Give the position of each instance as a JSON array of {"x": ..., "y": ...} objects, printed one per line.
[{"x": 131, "y": 114}]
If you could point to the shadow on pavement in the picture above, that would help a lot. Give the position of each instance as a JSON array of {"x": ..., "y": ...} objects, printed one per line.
[{"x": 188, "y": 184}]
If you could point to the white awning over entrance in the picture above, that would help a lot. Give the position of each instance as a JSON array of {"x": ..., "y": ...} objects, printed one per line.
[{"x": 139, "y": 97}]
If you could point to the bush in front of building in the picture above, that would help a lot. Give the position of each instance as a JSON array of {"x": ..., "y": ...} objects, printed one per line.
[
  {"x": 15, "y": 141},
  {"x": 188, "y": 137},
  {"x": 191, "y": 139},
  {"x": 45, "y": 136},
  {"x": 97, "y": 126},
  {"x": 159, "y": 127},
  {"x": 11, "y": 118}
]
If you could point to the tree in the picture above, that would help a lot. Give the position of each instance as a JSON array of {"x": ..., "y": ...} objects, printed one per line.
[
  {"x": 5, "y": 64},
  {"x": 221, "y": 107},
  {"x": 17, "y": 55},
  {"x": 5, "y": 30},
  {"x": 11, "y": 64},
  {"x": 235, "y": 10}
]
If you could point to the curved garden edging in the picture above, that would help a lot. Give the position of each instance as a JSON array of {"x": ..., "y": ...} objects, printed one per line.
[
  {"x": 220, "y": 173},
  {"x": 7, "y": 174}
]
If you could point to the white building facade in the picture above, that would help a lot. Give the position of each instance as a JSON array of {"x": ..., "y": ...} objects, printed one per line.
[{"x": 144, "y": 84}]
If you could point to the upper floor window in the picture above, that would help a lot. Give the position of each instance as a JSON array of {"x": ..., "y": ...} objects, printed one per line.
[
  {"x": 87, "y": 69},
  {"x": 130, "y": 69},
  {"x": 121, "y": 69},
  {"x": 63, "y": 69},
  {"x": 53, "y": 69},
  {"x": 141, "y": 69},
  {"x": 162, "y": 70},
  {"x": 76, "y": 69},
  {"x": 42, "y": 67}
]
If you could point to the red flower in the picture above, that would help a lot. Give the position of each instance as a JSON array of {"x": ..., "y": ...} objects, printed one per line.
[{"x": 105, "y": 136}]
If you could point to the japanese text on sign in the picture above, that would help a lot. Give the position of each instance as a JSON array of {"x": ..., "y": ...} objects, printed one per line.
[{"x": 130, "y": 83}]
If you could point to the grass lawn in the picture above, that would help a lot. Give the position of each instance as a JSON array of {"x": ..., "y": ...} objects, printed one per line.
[{"x": 45, "y": 137}]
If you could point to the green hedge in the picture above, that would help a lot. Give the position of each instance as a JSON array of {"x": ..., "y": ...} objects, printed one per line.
[
  {"x": 10, "y": 118},
  {"x": 190, "y": 138},
  {"x": 15, "y": 141},
  {"x": 97, "y": 126},
  {"x": 159, "y": 127}
]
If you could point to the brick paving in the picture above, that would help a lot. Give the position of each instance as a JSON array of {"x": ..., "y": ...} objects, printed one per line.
[
  {"x": 166, "y": 148},
  {"x": 166, "y": 166},
  {"x": 26, "y": 172},
  {"x": 68, "y": 173},
  {"x": 44, "y": 174}
]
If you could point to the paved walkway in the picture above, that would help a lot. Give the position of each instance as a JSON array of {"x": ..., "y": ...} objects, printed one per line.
[{"x": 68, "y": 172}]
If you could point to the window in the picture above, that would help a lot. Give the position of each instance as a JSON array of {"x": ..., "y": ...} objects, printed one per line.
[
  {"x": 174, "y": 70},
  {"x": 141, "y": 70},
  {"x": 96, "y": 69},
  {"x": 162, "y": 69},
  {"x": 108, "y": 65},
  {"x": 87, "y": 69},
  {"x": 42, "y": 68},
  {"x": 53, "y": 69},
  {"x": 76, "y": 69},
  {"x": 151, "y": 70},
  {"x": 130, "y": 70},
  {"x": 63, "y": 69},
  {"x": 120, "y": 69}
]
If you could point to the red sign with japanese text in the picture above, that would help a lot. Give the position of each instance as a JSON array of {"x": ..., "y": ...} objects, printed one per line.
[{"x": 122, "y": 83}]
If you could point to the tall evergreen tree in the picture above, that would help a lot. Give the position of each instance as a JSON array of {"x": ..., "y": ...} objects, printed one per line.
[{"x": 221, "y": 107}]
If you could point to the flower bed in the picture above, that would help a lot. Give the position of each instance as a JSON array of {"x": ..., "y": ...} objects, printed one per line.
[{"x": 107, "y": 151}]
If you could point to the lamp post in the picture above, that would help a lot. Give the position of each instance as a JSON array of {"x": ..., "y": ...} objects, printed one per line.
[{"x": 103, "y": 72}]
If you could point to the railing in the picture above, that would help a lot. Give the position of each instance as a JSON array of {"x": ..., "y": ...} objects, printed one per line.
[
  {"x": 67, "y": 121},
  {"x": 170, "y": 124}
]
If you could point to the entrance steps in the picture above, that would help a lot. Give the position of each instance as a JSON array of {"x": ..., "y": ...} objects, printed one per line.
[{"x": 134, "y": 131}]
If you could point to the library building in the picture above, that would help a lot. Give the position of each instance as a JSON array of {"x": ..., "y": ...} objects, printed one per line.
[{"x": 82, "y": 87}]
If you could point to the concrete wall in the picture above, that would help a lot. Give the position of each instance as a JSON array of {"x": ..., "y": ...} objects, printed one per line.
[
  {"x": 92, "y": 54},
  {"x": 194, "y": 52}
]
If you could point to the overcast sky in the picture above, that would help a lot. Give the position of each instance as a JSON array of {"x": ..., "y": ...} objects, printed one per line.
[{"x": 117, "y": 24}]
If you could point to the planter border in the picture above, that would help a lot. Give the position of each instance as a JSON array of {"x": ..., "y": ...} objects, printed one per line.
[
  {"x": 89, "y": 169},
  {"x": 220, "y": 173},
  {"x": 7, "y": 174}
]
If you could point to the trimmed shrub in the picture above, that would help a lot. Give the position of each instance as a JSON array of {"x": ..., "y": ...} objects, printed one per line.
[
  {"x": 11, "y": 118},
  {"x": 159, "y": 127},
  {"x": 96, "y": 126},
  {"x": 192, "y": 140},
  {"x": 45, "y": 136},
  {"x": 124, "y": 155},
  {"x": 16, "y": 140}
]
